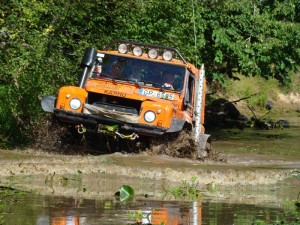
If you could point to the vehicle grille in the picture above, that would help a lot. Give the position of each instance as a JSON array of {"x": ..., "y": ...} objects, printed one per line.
[{"x": 114, "y": 103}]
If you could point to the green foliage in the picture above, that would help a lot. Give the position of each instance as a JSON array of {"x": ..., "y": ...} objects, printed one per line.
[
  {"x": 248, "y": 37},
  {"x": 255, "y": 89},
  {"x": 186, "y": 190},
  {"x": 138, "y": 216},
  {"x": 7, "y": 196},
  {"x": 40, "y": 49},
  {"x": 292, "y": 208},
  {"x": 290, "y": 211}
]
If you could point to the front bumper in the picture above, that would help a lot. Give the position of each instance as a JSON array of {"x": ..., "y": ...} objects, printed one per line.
[{"x": 91, "y": 120}]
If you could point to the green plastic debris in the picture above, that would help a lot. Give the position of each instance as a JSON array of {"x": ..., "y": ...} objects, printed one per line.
[{"x": 125, "y": 193}]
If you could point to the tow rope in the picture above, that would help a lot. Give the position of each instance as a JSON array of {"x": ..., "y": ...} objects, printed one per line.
[
  {"x": 113, "y": 130},
  {"x": 132, "y": 136}
]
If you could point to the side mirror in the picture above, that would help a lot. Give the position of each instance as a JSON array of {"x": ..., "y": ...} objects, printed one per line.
[
  {"x": 89, "y": 57},
  {"x": 87, "y": 62}
]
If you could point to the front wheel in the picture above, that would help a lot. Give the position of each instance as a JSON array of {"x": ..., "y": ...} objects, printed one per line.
[{"x": 179, "y": 145}]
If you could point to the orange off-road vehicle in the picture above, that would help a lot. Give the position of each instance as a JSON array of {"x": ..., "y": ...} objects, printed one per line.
[{"x": 132, "y": 90}]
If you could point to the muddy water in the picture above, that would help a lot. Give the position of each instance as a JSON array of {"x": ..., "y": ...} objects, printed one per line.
[
  {"x": 41, "y": 210},
  {"x": 73, "y": 200},
  {"x": 280, "y": 143},
  {"x": 259, "y": 181}
]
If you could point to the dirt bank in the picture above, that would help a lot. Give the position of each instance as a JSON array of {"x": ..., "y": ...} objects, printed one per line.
[
  {"x": 247, "y": 178},
  {"x": 238, "y": 170}
]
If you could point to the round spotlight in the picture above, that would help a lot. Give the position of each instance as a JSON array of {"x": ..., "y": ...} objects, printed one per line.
[
  {"x": 122, "y": 48},
  {"x": 167, "y": 55},
  {"x": 75, "y": 103},
  {"x": 149, "y": 116},
  {"x": 137, "y": 51},
  {"x": 153, "y": 53}
]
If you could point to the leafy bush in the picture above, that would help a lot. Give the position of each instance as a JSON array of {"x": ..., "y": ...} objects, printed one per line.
[{"x": 42, "y": 50}]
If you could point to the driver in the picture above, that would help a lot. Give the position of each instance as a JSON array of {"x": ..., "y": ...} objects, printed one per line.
[{"x": 116, "y": 70}]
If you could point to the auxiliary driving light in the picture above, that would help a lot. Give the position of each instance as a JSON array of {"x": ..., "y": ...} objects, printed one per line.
[
  {"x": 152, "y": 53},
  {"x": 167, "y": 55},
  {"x": 122, "y": 48},
  {"x": 137, "y": 51}
]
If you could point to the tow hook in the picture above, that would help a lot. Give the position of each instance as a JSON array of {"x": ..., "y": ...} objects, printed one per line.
[
  {"x": 132, "y": 136},
  {"x": 80, "y": 129}
]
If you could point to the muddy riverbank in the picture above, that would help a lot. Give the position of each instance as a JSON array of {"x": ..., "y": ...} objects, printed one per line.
[
  {"x": 84, "y": 175},
  {"x": 245, "y": 169},
  {"x": 259, "y": 168}
]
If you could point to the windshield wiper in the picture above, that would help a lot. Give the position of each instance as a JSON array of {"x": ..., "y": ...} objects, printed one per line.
[
  {"x": 154, "y": 84},
  {"x": 134, "y": 81}
]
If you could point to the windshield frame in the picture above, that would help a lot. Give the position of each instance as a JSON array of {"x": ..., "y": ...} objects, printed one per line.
[{"x": 151, "y": 73}]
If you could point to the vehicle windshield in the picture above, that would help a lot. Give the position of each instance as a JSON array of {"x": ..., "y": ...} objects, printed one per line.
[{"x": 142, "y": 72}]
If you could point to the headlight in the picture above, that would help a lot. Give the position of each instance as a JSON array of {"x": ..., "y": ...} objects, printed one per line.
[
  {"x": 149, "y": 116},
  {"x": 75, "y": 103}
]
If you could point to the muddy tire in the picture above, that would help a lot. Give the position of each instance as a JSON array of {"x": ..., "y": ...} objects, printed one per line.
[
  {"x": 179, "y": 145},
  {"x": 104, "y": 144},
  {"x": 52, "y": 136}
]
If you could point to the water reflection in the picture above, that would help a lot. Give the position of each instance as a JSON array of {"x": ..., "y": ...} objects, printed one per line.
[
  {"x": 173, "y": 214},
  {"x": 50, "y": 210}
]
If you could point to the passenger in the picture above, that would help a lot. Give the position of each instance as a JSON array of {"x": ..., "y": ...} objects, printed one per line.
[
  {"x": 97, "y": 71},
  {"x": 168, "y": 80}
]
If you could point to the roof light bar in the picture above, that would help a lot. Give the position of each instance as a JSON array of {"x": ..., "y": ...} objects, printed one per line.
[{"x": 173, "y": 51}]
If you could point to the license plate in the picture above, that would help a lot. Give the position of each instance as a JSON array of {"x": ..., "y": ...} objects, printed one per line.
[{"x": 156, "y": 94}]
